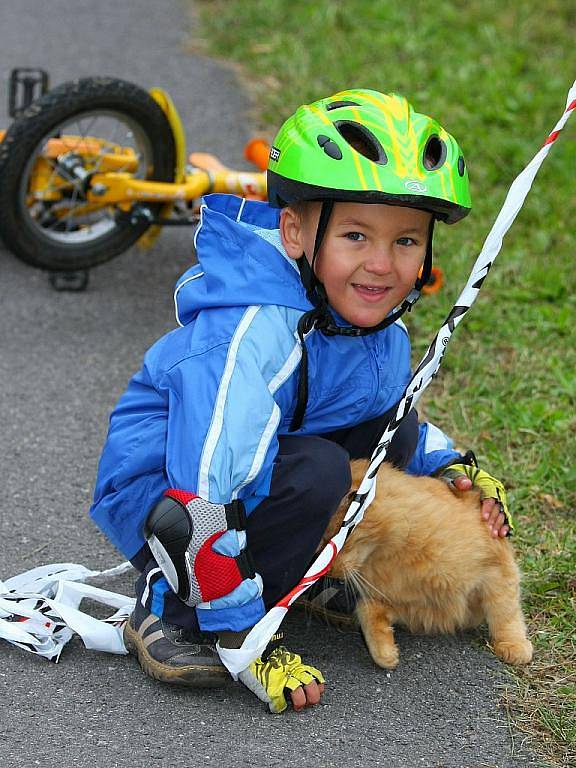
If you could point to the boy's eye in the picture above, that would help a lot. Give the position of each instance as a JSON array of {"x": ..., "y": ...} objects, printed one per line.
[
  {"x": 406, "y": 241},
  {"x": 355, "y": 236}
]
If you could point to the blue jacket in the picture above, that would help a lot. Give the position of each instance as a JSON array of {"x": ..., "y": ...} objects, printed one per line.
[{"x": 205, "y": 411}]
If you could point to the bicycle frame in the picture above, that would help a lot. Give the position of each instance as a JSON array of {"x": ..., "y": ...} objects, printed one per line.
[
  {"x": 124, "y": 190},
  {"x": 114, "y": 184}
]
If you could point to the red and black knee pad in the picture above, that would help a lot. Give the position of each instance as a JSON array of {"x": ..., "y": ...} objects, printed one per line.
[{"x": 181, "y": 530}]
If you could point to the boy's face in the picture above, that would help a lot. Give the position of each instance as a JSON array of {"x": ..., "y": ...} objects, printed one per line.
[{"x": 369, "y": 258}]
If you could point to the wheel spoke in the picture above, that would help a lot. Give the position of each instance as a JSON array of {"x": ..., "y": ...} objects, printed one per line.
[
  {"x": 54, "y": 166},
  {"x": 68, "y": 217}
]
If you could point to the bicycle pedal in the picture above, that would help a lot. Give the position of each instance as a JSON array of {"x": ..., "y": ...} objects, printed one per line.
[
  {"x": 76, "y": 280},
  {"x": 26, "y": 85}
]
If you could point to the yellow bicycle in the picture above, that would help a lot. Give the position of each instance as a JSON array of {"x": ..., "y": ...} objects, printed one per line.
[{"x": 90, "y": 166}]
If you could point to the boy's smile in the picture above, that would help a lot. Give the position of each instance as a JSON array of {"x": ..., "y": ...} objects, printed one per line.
[{"x": 369, "y": 258}]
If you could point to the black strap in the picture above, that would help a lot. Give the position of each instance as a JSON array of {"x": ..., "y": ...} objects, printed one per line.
[
  {"x": 427, "y": 266},
  {"x": 246, "y": 564},
  {"x": 236, "y": 519},
  {"x": 305, "y": 325},
  {"x": 307, "y": 274},
  {"x": 276, "y": 641},
  {"x": 469, "y": 459},
  {"x": 235, "y": 515}
]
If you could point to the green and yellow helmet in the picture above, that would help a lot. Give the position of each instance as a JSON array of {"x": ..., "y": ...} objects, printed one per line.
[{"x": 370, "y": 147}]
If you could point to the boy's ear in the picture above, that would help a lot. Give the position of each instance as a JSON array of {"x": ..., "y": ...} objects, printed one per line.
[{"x": 291, "y": 232}]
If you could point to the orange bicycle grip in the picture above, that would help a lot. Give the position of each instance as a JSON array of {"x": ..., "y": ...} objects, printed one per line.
[{"x": 257, "y": 151}]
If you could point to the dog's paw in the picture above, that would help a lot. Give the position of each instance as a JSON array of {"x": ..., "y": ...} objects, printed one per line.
[
  {"x": 385, "y": 655},
  {"x": 516, "y": 653}
]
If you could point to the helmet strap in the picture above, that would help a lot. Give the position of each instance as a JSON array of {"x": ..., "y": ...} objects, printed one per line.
[
  {"x": 427, "y": 265},
  {"x": 307, "y": 270}
]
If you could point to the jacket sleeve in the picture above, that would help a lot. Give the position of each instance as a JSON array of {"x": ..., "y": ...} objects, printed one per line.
[
  {"x": 223, "y": 416},
  {"x": 433, "y": 451}
]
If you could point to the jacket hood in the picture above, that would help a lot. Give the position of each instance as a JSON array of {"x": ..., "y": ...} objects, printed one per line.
[{"x": 241, "y": 261}]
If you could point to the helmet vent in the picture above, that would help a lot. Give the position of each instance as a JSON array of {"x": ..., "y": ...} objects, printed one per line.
[
  {"x": 362, "y": 140},
  {"x": 434, "y": 153},
  {"x": 338, "y": 104}
]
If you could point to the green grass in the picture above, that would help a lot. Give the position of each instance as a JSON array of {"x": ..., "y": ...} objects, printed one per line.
[{"x": 496, "y": 75}]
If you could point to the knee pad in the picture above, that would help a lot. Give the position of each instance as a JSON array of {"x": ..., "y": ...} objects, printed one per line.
[{"x": 185, "y": 534}]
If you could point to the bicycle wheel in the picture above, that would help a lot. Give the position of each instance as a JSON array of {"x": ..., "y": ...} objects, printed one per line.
[{"x": 48, "y": 156}]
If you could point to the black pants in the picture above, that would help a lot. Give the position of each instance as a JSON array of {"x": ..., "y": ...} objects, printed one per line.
[{"x": 311, "y": 476}]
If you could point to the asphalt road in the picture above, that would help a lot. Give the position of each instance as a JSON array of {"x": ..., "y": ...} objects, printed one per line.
[{"x": 64, "y": 360}]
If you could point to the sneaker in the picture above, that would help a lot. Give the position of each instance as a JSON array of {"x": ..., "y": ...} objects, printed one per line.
[
  {"x": 173, "y": 654},
  {"x": 332, "y": 600}
]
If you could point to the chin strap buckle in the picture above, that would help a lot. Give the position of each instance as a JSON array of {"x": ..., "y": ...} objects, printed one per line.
[{"x": 411, "y": 299}]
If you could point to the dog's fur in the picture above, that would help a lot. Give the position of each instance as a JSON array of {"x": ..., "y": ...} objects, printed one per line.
[{"x": 423, "y": 557}]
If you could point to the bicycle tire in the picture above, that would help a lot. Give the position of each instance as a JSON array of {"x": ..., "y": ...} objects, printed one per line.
[{"x": 70, "y": 102}]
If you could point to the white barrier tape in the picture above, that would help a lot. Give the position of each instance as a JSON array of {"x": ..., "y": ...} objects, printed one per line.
[{"x": 40, "y": 610}]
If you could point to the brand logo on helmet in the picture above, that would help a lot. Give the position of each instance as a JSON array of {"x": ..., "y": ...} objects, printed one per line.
[
  {"x": 274, "y": 153},
  {"x": 415, "y": 186}
]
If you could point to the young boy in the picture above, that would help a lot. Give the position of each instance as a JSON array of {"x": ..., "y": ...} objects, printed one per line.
[{"x": 229, "y": 451}]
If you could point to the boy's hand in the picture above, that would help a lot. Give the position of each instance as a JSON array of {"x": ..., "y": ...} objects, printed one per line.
[
  {"x": 494, "y": 508},
  {"x": 283, "y": 672},
  {"x": 306, "y": 695}
]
